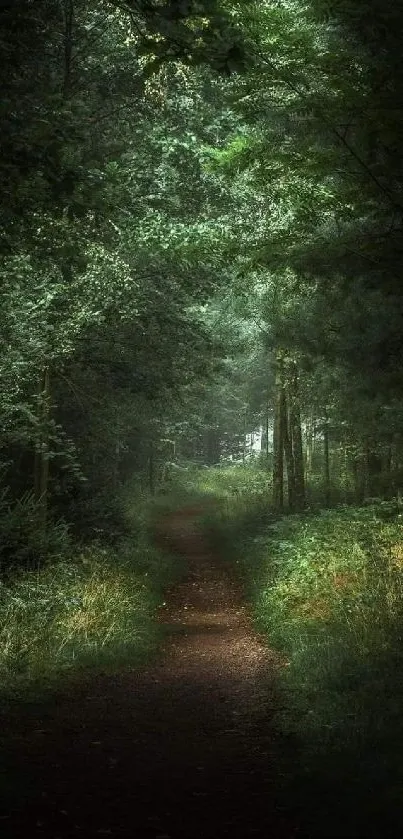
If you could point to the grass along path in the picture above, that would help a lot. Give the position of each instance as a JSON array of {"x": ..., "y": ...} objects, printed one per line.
[
  {"x": 326, "y": 590},
  {"x": 183, "y": 750}
]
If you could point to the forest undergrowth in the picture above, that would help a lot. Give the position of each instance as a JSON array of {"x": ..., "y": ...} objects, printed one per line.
[
  {"x": 326, "y": 588},
  {"x": 88, "y": 606}
]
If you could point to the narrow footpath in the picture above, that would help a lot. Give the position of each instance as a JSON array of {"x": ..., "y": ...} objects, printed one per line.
[{"x": 183, "y": 750}]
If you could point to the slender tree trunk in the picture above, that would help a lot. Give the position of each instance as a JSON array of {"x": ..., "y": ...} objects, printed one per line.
[
  {"x": 263, "y": 439},
  {"x": 115, "y": 456},
  {"x": 115, "y": 470},
  {"x": 264, "y": 446},
  {"x": 356, "y": 465},
  {"x": 386, "y": 485},
  {"x": 309, "y": 448},
  {"x": 267, "y": 430},
  {"x": 244, "y": 437},
  {"x": 326, "y": 462},
  {"x": 68, "y": 44},
  {"x": 212, "y": 446},
  {"x": 297, "y": 449},
  {"x": 288, "y": 449},
  {"x": 394, "y": 464},
  {"x": 37, "y": 468},
  {"x": 374, "y": 468},
  {"x": 278, "y": 446},
  {"x": 366, "y": 466}
]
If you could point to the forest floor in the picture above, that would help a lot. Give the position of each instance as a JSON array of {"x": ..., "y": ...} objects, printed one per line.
[{"x": 184, "y": 749}]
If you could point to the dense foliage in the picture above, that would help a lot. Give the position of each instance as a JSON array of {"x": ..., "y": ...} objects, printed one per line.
[
  {"x": 200, "y": 249},
  {"x": 201, "y": 238},
  {"x": 107, "y": 251},
  {"x": 326, "y": 591}
]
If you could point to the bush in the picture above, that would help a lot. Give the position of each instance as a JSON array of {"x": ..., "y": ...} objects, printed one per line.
[
  {"x": 231, "y": 482},
  {"x": 99, "y": 516},
  {"x": 25, "y": 541}
]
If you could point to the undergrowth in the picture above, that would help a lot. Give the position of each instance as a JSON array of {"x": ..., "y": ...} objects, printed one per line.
[
  {"x": 84, "y": 608},
  {"x": 234, "y": 482},
  {"x": 327, "y": 590}
]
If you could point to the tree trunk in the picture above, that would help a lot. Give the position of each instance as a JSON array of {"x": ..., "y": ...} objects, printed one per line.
[
  {"x": 264, "y": 445},
  {"x": 366, "y": 466},
  {"x": 309, "y": 448},
  {"x": 288, "y": 449},
  {"x": 267, "y": 431},
  {"x": 68, "y": 44},
  {"x": 374, "y": 467},
  {"x": 278, "y": 446},
  {"x": 212, "y": 447},
  {"x": 244, "y": 437},
  {"x": 326, "y": 462},
  {"x": 296, "y": 439},
  {"x": 115, "y": 458},
  {"x": 356, "y": 465}
]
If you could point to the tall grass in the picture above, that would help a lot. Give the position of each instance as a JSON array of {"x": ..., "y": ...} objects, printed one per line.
[
  {"x": 240, "y": 497},
  {"x": 97, "y": 610},
  {"x": 87, "y": 607},
  {"x": 234, "y": 482}
]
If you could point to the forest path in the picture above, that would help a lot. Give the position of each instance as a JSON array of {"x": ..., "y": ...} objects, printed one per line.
[{"x": 183, "y": 750}]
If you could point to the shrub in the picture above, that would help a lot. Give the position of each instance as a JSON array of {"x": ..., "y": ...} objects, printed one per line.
[{"x": 25, "y": 542}]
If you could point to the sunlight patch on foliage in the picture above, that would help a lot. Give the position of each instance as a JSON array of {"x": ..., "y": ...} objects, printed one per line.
[
  {"x": 234, "y": 481},
  {"x": 327, "y": 591},
  {"x": 96, "y": 608}
]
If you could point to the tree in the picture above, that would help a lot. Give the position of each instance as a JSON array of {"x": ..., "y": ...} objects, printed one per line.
[
  {"x": 319, "y": 176},
  {"x": 107, "y": 251}
]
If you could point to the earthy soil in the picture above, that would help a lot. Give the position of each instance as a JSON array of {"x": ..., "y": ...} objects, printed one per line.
[{"x": 183, "y": 750}]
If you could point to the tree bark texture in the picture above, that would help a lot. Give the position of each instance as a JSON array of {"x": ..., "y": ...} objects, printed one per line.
[
  {"x": 278, "y": 446},
  {"x": 326, "y": 462},
  {"x": 296, "y": 441}
]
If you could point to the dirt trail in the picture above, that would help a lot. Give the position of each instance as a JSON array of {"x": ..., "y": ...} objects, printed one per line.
[{"x": 181, "y": 751}]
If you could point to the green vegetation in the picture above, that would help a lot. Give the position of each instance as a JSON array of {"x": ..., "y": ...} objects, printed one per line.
[
  {"x": 235, "y": 482},
  {"x": 70, "y": 612},
  {"x": 201, "y": 244},
  {"x": 92, "y": 607},
  {"x": 201, "y": 259},
  {"x": 327, "y": 591}
]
